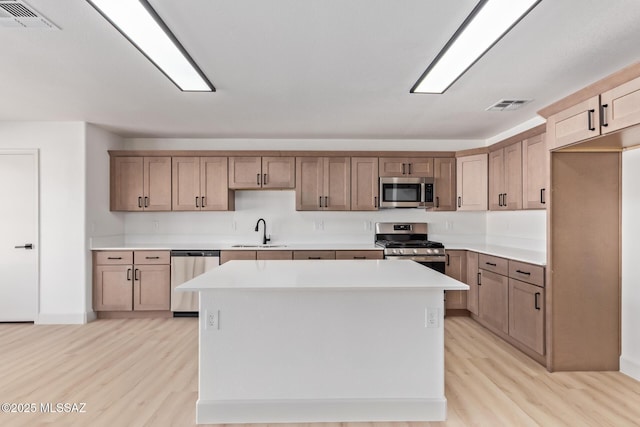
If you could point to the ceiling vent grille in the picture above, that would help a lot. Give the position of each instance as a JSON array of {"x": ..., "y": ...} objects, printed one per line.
[
  {"x": 508, "y": 104},
  {"x": 18, "y": 14}
]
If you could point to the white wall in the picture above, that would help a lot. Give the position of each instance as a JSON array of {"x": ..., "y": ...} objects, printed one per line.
[
  {"x": 99, "y": 221},
  {"x": 62, "y": 206},
  {"x": 630, "y": 358},
  {"x": 520, "y": 229}
]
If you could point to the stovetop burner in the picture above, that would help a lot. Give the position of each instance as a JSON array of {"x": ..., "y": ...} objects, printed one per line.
[
  {"x": 406, "y": 239},
  {"x": 385, "y": 243}
]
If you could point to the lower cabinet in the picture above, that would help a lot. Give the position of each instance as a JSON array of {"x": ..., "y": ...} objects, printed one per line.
[
  {"x": 359, "y": 254},
  {"x": 526, "y": 314},
  {"x": 131, "y": 281},
  {"x": 493, "y": 300},
  {"x": 299, "y": 255},
  {"x": 314, "y": 254},
  {"x": 473, "y": 275},
  {"x": 456, "y": 267}
]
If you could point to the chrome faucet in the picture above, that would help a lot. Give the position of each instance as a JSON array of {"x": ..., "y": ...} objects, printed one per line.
[{"x": 264, "y": 231}]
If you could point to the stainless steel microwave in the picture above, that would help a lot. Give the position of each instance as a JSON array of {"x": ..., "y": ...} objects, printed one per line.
[{"x": 403, "y": 192}]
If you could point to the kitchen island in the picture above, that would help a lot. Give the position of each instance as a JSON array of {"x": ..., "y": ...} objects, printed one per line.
[{"x": 321, "y": 341}]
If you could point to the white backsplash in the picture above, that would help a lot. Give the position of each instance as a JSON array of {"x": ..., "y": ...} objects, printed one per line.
[{"x": 518, "y": 229}]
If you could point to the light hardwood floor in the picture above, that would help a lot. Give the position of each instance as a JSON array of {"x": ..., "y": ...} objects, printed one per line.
[{"x": 144, "y": 373}]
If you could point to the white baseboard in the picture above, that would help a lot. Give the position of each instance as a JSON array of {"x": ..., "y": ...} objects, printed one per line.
[
  {"x": 65, "y": 318},
  {"x": 630, "y": 367},
  {"x": 319, "y": 410}
]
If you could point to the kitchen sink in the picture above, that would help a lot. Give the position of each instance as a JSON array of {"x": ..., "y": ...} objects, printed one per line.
[{"x": 259, "y": 246}]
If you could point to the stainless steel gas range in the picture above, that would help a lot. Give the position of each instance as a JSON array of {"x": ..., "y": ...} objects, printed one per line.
[{"x": 410, "y": 240}]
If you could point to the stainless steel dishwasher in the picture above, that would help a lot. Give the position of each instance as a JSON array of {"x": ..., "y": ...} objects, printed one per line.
[{"x": 185, "y": 265}]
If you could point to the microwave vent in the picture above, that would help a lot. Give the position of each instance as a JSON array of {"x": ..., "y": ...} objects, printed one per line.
[
  {"x": 508, "y": 104},
  {"x": 18, "y": 14}
]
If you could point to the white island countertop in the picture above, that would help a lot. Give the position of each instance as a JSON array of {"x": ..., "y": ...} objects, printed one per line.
[{"x": 323, "y": 274}]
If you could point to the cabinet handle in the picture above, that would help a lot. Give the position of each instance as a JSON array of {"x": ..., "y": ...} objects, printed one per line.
[
  {"x": 590, "y": 119},
  {"x": 203, "y": 204},
  {"x": 326, "y": 201},
  {"x": 603, "y": 119},
  {"x": 314, "y": 257},
  {"x": 264, "y": 179},
  {"x": 479, "y": 276},
  {"x": 536, "y": 302},
  {"x": 542, "y": 201},
  {"x": 140, "y": 202},
  {"x": 197, "y": 202},
  {"x": 152, "y": 257},
  {"x": 128, "y": 274},
  {"x": 375, "y": 201},
  {"x": 523, "y": 272},
  {"x": 459, "y": 201},
  {"x": 114, "y": 257},
  {"x": 403, "y": 169},
  {"x": 409, "y": 167},
  {"x": 504, "y": 199},
  {"x": 320, "y": 201},
  {"x": 257, "y": 179},
  {"x": 447, "y": 259},
  {"x": 136, "y": 276},
  {"x": 437, "y": 202},
  {"x": 491, "y": 264},
  {"x": 146, "y": 202},
  {"x": 359, "y": 257},
  {"x": 500, "y": 199}
]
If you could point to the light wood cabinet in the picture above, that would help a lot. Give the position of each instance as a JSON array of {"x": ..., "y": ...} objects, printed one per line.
[
  {"x": 200, "y": 184},
  {"x": 526, "y": 314},
  {"x": 574, "y": 124},
  {"x": 274, "y": 255},
  {"x": 505, "y": 178},
  {"x": 131, "y": 281},
  {"x": 236, "y": 255},
  {"x": 405, "y": 166},
  {"x": 348, "y": 254},
  {"x": 301, "y": 255},
  {"x": 261, "y": 172},
  {"x": 472, "y": 182},
  {"x": 323, "y": 183},
  {"x": 456, "y": 267},
  {"x": 445, "y": 183},
  {"x": 140, "y": 184},
  {"x": 535, "y": 169},
  {"x": 364, "y": 183},
  {"x": 620, "y": 106},
  {"x": 493, "y": 300},
  {"x": 473, "y": 273}
]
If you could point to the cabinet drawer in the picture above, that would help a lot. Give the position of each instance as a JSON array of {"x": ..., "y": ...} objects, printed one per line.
[
  {"x": 151, "y": 257},
  {"x": 493, "y": 263},
  {"x": 529, "y": 273},
  {"x": 358, "y": 254},
  {"x": 113, "y": 257},
  {"x": 314, "y": 255}
]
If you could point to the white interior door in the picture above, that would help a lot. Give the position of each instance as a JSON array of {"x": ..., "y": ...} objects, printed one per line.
[{"x": 18, "y": 228}]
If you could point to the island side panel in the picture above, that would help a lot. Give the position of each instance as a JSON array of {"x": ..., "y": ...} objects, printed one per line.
[{"x": 312, "y": 355}]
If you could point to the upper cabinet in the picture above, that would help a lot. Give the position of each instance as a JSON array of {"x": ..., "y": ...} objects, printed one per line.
[
  {"x": 405, "y": 166},
  {"x": 445, "y": 183},
  {"x": 323, "y": 183},
  {"x": 615, "y": 109},
  {"x": 140, "y": 184},
  {"x": 471, "y": 182},
  {"x": 261, "y": 172},
  {"x": 505, "y": 178},
  {"x": 200, "y": 184},
  {"x": 535, "y": 164},
  {"x": 364, "y": 183}
]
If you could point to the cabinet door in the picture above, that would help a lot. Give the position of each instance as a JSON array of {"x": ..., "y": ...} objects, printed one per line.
[
  {"x": 337, "y": 183},
  {"x": 535, "y": 167},
  {"x": 496, "y": 179},
  {"x": 157, "y": 183},
  {"x": 301, "y": 255},
  {"x": 574, "y": 124},
  {"x": 309, "y": 183},
  {"x": 214, "y": 191},
  {"x": 445, "y": 183},
  {"x": 526, "y": 314},
  {"x": 456, "y": 267},
  {"x": 359, "y": 254},
  {"x": 392, "y": 166},
  {"x": 127, "y": 181},
  {"x": 472, "y": 281},
  {"x": 236, "y": 255},
  {"x": 113, "y": 288},
  {"x": 512, "y": 198},
  {"x": 278, "y": 172},
  {"x": 265, "y": 255},
  {"x": 472, "y": 182},
  {"x": 185, "y": 183},
  {"x": 151, "y": 287},
  {"x": 364, "y": 183},
  {"x": 621, "y": 106},
  {"x": 493, "y": 301},
  {"x": 420, "y": 166},
  {"x": 245, "y": 172}
]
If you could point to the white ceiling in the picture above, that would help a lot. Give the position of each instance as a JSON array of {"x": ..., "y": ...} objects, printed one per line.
[{"x": 308, "y": 68}]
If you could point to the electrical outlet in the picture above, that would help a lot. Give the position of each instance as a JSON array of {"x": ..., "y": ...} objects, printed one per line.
[
  {"x": 212, "y": 318},
  {"x": 431, "y": 318},
  {"x": 156, "y": 225}
]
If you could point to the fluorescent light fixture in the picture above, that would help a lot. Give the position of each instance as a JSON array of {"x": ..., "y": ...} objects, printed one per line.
[
  {"x": 484, "y": 27},
  {"x": 142, "y": 26}
]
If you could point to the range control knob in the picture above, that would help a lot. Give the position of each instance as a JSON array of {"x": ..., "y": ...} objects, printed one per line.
[{"x": 415, "y": 251}]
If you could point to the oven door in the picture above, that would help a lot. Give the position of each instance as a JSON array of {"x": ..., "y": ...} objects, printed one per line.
[
  {"x": 436, "y": 263},
  {"x": 402, "y": 192}
]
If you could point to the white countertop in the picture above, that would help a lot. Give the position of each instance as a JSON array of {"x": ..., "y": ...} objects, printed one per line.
[
  {"x": 322, "y": 274},
  {"x": 230, "y": 247},
  {"x": 516, "y": 254}
]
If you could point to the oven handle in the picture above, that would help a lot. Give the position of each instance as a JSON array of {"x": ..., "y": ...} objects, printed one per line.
[{"x": 433, "y": 258}]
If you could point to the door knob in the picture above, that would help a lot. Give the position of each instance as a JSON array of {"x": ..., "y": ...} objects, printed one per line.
[{"x": 26, "y": 246}]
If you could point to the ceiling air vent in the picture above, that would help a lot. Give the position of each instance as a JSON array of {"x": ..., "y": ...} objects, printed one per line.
[
  {"x": 508, "y": 104},
  {"x": 18, "y": 14}
]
